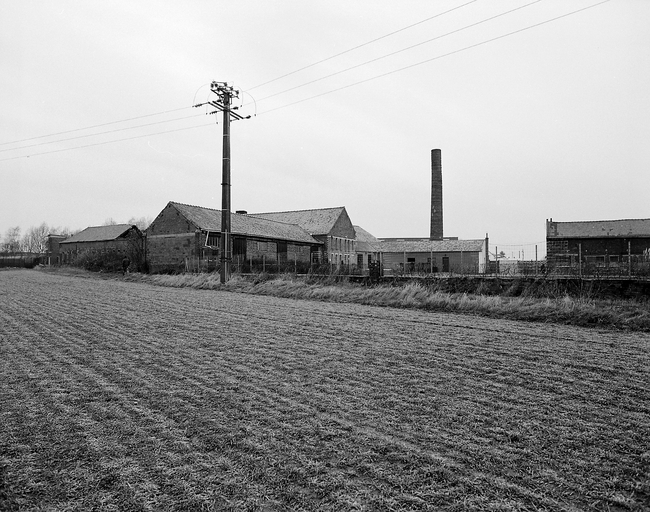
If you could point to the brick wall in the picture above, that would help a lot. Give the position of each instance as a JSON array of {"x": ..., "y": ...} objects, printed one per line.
[
  {"x": 170, "y": 221},
  {"x": 171, "y": 251}
]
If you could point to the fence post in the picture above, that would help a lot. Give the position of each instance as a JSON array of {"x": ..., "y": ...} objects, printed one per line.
[
  {"x": 580, "y": 260},
  {"x": 629, "y": 259}
]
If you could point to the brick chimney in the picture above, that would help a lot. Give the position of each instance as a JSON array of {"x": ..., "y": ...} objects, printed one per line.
[{"x": 436, "y": 195}]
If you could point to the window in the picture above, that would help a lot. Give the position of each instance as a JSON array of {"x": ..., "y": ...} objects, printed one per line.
[
  {"x": 213, "y": 239},
  {"x": 599, "y": 261}
]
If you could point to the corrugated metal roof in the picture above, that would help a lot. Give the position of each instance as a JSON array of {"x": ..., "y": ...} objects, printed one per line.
[
  {"x": 432, "y": 246},
  {"x": 99, "y": 233},
  {"x": 315, "y": 222},
  {"x": 599, "y": 228},
  {"x": 208, "y": 219}
]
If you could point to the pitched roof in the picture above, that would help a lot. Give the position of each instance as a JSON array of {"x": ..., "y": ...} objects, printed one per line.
[
  {"x": 599, "y": 228},
  {"x": 431, "y": 246},
  {"x": 364, "y": 241},
  {"x": 315, "y": 222},
  {"x": 99, "y": 233},
  {"x": 209, "y": 219}
]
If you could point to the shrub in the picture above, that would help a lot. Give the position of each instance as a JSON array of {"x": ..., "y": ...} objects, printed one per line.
[{"x": 108, "y": 260}]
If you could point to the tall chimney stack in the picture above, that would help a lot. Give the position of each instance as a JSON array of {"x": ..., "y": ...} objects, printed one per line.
[{"x": 436, "y": 195}]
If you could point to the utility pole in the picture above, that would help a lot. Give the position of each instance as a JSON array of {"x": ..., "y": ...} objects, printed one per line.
[{"x": 225, "y": 94}]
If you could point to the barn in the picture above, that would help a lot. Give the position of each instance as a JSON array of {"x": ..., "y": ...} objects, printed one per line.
[
  {"x": 597, "y": 244},
  {"x": 423, "y": 255},
  {"x": 118, "y": 239},
  {"x": 330, "y": 226},
  {"x": 185, "y": 237}
]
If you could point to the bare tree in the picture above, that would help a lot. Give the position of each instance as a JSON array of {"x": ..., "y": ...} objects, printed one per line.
[
  {"x": 66, "y": 231},
  {"x": 35, "y": 240},
  {"x": 11, "y": 241},
  {"x": 141, "y": 222},
  {"x": 109, "y": 222}
]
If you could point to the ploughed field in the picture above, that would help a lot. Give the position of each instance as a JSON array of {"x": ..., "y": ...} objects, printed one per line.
[{"x": 125, "y": 396}]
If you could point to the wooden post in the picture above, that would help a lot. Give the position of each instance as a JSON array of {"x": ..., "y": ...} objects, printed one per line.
[
  {"x": 629, "y": 259},
  {"x": 580, "y": 260}
]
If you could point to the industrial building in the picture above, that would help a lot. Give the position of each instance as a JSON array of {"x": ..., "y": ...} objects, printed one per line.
[
  {"x": 436, "y": 253},
  {"x": 602, "y": 243}
]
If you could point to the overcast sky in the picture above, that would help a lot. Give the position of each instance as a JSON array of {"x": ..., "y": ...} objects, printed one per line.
[{"x": 551, "y": 121}]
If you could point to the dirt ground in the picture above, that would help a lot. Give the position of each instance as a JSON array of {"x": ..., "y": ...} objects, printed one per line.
[{"x": 124, "y": 396}]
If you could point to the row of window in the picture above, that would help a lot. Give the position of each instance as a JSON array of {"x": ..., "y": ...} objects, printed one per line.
[
  {"x": 214, "y": 240},
  {"x": 341, "y": 244}
]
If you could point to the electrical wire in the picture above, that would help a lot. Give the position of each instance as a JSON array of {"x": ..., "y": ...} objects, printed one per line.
[
  {"x": 106, "y": 142},
  {"x": 295, "y": 102},
  {"x": 360, "y": 46},
  {"x": 94, "y": 126},
  {"x": 434, "y": 58},
  {"x": 260, "y": 85},
  {"x": 99, "y": 133},
  {"x": 400, "y": 51}
]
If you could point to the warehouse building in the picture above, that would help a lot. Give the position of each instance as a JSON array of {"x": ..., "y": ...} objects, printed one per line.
[{"x": 603, "y": 243}]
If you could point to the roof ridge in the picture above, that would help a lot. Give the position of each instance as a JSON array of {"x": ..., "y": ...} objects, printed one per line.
[
  {"x": 303, "y": 210},
  {"x": 594, "y": 221},
  {"x": 109, "y": 225},
  {"x": 235, "y": 213}
]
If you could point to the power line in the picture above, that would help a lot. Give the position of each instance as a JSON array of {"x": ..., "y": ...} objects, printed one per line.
[
  {"x": 95, "y": 126},
  {"x": 402, "y": 50},
  {"x": 260, "y": 85},
  {"x": 360, "y": 46},
  {"x": 106, "y": 142},
  {"x": 99, "y": 133},
  {"x": 434, "y": 58}
]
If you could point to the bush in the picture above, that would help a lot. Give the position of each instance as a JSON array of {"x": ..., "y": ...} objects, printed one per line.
[{"x": 109, "y": 260}]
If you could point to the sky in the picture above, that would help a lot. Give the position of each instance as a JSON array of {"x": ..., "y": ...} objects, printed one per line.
[{"x": 539, "y": 113}]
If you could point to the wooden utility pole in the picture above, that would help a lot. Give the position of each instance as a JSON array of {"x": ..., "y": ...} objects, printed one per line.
[{"x": 225, "y": 93}]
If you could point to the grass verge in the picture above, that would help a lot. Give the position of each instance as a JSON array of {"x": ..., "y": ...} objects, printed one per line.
[{"x": 566, "y": 310}]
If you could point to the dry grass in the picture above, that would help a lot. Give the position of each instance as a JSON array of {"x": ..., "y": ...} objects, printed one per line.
[
  {"x": 124, "y": 396},
  {"x": 627, "y": 315}
]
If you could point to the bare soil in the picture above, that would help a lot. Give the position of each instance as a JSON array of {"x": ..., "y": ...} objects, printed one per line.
[{"x": 120, "y": 395}]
